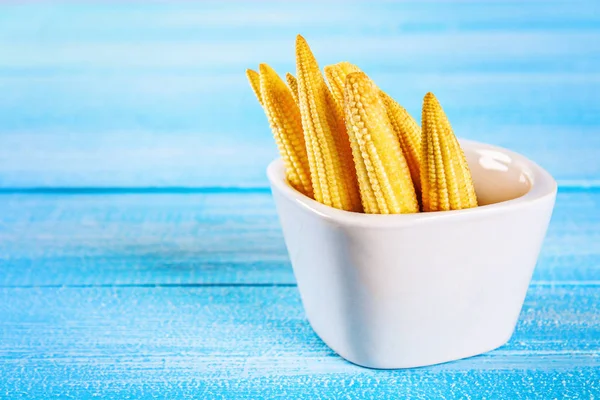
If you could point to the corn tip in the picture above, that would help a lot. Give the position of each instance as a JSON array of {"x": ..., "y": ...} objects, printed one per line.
[
  {"x": 254, "y": 79},
  {"x": 445, "y": 176}
]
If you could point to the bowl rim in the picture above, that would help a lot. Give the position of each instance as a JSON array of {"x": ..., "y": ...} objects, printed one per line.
[{"x": 543, "y": 186}]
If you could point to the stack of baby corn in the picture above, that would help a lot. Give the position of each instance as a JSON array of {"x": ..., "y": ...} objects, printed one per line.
[{"x": 351, "y": 146}]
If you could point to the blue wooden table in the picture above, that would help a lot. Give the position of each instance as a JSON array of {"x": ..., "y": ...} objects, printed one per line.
[{"x": 140, "y": 251}]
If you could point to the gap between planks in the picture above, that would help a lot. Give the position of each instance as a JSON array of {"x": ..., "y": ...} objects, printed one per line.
[
  {"x": 265, "y": 285},
  {"x": 564, "y": 186}
]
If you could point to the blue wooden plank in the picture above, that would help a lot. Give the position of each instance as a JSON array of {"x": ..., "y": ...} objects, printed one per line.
[
  {"x": 141, "y": 94},
  {"x": 211, "y": 238},
  {"x": 130, "y": 159},
  {"x": 255, "y": 342}
]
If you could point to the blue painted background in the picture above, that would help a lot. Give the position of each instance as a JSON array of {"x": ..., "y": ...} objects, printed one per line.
[
  {"x": 133, "y": 94},
  {"x": 140, "y": 252}
]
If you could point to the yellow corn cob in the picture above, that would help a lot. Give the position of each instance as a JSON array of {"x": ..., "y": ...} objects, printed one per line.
[
  {"x": 329, "y": 154},
  {"x": 405, "y": 126},
  {"x": 336, "y": 76},
  {"x": 254, "y": 80},
  {"x": 446, "y": 181},
  {"x": 385, "y": 183},
  {"x": 293, "y": 85},
  {"x": 357, "y": 165},
  {"x": 409, "y": 134},
  {"x": 286, "y": 123}
]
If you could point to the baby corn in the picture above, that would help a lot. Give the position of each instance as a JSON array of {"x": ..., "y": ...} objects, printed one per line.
[
  {"x": 329, "y": 154},
  {"x": 336, "y": 76},
  {"x": 405, "y": 126},
  {"x": 446, "y": 181},
  {"x": 409, "y": 134},
  {"x": 349, "y": 145},
  {"x": 286, "y": 123},
  {"x": 293, "y": 85},
  {"x": 254, "y": 79},
  {"x": 386, "y": 186}
]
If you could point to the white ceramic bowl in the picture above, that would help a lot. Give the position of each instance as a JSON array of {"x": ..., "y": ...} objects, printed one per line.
[{"x": 400, "y": 291}]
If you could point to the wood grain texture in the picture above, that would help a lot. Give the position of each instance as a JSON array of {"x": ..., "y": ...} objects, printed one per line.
[
  {"x": 255, "y": 342},
  {"x": 135, "y": 94},
  {"x": 218, "y": 238},
  {"x": 122, "y": 290}
]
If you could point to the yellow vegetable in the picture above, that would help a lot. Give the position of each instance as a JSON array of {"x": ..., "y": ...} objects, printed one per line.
[
  {"x": 286, "y": 123},
  {"x": 351, "y": 146},
  {"x": 293, "y": 85},
  {"x": 407, "y": 129},
  {"x": 446, "y": 181},
  {"x": 254, "y": 79},
  {"x": 386, "y": 186},
  {"x": 336, "y": 76},
  {"x": 409, "y": 134},
  {"x": 329, "y": 154}
]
